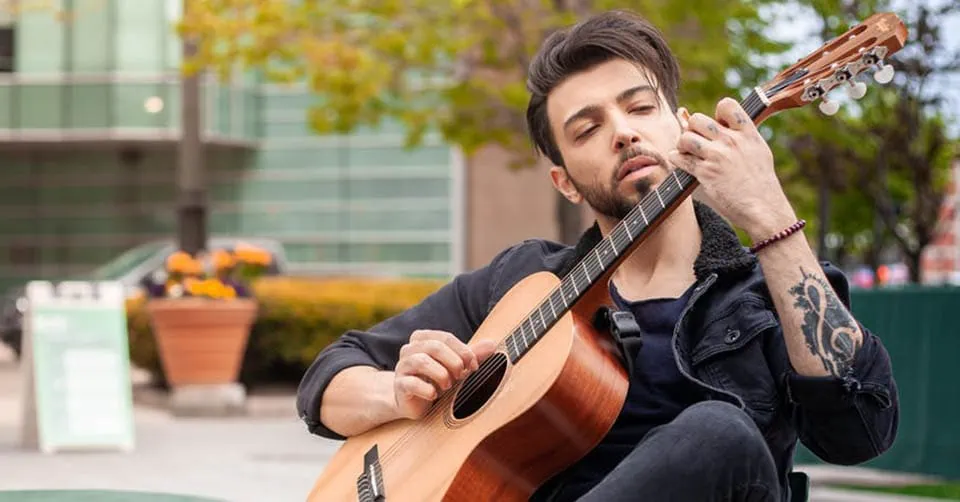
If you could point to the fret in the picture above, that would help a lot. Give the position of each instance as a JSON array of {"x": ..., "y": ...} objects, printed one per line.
[
  {"x": 657, "y": 191},
  {"x": 563, "y": 299},
  {"x": 645, "y": 220},
  {"x": 523, "y": 334},
  {"x": 626, "y": 227},
  {"x": 573, "y": 282},
  {"x": 516, "y": 353},
  {"x": 553, "y": 310},
  {"x": 543, "y": 324},
  {"x": 596, "y": 253},
  {"x": 585, "y": 271},
  {"x": 675, "y": 178},
  {"x": 533, "y": 331}
]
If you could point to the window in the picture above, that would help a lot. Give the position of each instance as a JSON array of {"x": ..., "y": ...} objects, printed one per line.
[{"x": 7, "y": 36}]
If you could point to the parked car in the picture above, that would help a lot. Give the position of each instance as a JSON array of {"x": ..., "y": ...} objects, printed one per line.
[{"x": 135, "y": 270}]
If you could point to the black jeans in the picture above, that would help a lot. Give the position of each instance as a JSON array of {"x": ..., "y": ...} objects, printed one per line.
[{"x": 711, "y": 452}]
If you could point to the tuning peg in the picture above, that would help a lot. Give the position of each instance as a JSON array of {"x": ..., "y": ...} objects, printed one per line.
[
  {"x": 884, "y": 75},
  {"x": 829, "y": 107},
  {"x": 856, "y": 90}
]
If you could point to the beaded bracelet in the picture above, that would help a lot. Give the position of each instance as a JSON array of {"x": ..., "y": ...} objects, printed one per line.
[{"x": 783, "y": 234}]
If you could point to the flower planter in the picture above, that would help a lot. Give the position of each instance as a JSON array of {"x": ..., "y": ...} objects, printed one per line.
[{"x": 201, "y": 341}]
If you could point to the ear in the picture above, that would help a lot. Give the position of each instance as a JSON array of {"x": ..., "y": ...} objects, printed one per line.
[
  {"x": 683, "y": 116},
  {"x": 561, "y": 181}
]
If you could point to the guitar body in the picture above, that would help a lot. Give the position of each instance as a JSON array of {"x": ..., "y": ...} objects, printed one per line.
[{"x": 546, "y": 412}]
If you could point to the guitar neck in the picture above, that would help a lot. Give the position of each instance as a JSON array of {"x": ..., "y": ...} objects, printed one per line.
[{"x": 626, "y": 236}]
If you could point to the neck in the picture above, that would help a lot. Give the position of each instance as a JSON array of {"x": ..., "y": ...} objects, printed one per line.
[{"x": 663, "y": 264}]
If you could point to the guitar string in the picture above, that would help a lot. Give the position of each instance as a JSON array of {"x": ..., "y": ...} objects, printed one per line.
[
  {"x": 482, "y": 379},
  {"x": 479, "y": 381},
  {"x": 752, "y": 104}
]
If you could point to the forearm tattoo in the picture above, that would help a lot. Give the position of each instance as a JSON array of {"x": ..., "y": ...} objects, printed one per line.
[{"x": 830, "y": 331}]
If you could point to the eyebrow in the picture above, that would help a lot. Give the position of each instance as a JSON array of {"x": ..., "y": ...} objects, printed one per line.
[{"x": 592, "y": 109}]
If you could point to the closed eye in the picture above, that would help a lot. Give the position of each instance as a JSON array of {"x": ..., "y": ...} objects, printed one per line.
[
  {"x": 587, "y": 132},
  {"x": 642, "y": 109}
]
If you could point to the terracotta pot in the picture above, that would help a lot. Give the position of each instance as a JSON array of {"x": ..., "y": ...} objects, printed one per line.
[{"x": 201, "y": 341}]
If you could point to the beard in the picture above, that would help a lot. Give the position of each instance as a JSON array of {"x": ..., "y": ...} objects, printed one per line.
[{"x": 607, "y": 200}]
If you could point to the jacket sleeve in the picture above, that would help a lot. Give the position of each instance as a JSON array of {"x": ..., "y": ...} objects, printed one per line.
[
  {"x": 458, "y": 307},
  {"x": 854, "y": 418}
]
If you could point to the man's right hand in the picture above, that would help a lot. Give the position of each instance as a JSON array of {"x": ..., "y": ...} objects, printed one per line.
[{"x": 431, "y": 362}]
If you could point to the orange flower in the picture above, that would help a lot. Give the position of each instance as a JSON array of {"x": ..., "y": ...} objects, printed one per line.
[
  {"x": 222, "y": 260},
  {"x": 252, "y": 255}
]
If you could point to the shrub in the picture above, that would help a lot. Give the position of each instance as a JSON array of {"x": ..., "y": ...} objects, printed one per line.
[{"x": 298, "y": 318}]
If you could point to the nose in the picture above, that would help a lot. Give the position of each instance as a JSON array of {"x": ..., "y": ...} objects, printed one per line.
[{"x": 624, "y": 136}]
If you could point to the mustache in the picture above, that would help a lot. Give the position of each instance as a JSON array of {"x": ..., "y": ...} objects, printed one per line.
[{"x": 635, "y": 151}]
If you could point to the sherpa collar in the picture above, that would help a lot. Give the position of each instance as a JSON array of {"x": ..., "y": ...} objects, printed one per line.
[{"x": 720, "y": 249}]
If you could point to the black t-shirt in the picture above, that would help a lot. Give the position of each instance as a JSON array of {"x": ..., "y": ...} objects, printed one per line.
[{"x": 658, "y": 392}]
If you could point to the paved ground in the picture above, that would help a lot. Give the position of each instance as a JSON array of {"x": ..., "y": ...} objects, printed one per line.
[{"x": 266, "y": 457}]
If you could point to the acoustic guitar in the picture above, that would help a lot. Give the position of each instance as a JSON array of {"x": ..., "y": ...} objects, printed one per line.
[{"x": 556, "y": 383}]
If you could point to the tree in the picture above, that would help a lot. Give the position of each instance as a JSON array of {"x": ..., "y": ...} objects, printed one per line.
[
  {"x": 883, "y": 162},
  {"x": 456, "y": 67}
]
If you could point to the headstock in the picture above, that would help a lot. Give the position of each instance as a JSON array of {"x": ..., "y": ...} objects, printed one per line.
[{"x": 837, "y": 63}]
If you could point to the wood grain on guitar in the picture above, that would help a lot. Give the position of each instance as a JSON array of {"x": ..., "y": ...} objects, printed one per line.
[{"x": 556, "y": 384}]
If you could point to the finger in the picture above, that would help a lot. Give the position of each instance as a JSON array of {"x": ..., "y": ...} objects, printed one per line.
[
  {"x": 445, "y": 355},
  {"x": 704, "y": 126},
  {"x": 483, "y": 349},
  {"x": 691, "y": 143},
  {"x": 469, "y": 359},
  {"x": 684, "y": 161},
  {"x": 732, "y": 115},
  {"x": 426, "y": 367},
  {"x": 412, "y": 386}
]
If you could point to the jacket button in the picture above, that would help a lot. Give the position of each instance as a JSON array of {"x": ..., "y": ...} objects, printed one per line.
[{"x": 732, "y": 335}]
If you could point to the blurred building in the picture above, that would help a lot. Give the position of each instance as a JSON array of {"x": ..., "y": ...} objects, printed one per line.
[
  {"x": 89, "y": 129},
  {"x": 940, "y": 261}
]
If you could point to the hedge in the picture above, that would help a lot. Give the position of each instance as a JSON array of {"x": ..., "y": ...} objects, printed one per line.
[{"x": 298, "y": 317}]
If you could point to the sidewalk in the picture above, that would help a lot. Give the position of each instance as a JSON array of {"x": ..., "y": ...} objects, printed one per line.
[{"x": 267, "y": 456}]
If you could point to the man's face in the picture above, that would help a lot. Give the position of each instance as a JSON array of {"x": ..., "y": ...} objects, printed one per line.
[{"x": 614, "y": 131}]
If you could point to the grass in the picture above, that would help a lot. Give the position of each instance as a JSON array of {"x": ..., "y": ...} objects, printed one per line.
[{"x": 943, "y": 491}]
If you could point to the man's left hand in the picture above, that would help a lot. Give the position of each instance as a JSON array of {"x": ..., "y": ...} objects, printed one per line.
[{"x": 734, "y": 165}]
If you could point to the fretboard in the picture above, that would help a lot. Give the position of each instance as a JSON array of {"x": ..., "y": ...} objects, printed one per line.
[{"x": 595, "y": 264}]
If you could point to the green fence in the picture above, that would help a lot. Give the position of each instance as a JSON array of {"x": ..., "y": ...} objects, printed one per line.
[{"x": 921, "y": 329}]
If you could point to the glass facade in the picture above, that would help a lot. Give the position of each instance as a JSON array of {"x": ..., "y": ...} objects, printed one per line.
[{"x": 88, "y": 123}]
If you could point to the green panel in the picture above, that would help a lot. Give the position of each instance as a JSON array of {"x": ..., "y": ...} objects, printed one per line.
[
  {"x": 367, "y": 219},
  {"x": 918, "y": 327},
  {"x": 301, "y": 253},
  {"x": 274, "y": 190},
  {"x": 90, "y": 36},
  {"x": 402, "y": 188},
  {"x": 405, "y": 252},
  {"x": 286, "y": 222},
  {"x": 6, "y": 106},
  {"x": 65, "y": 195},
  {"x": 288, "y": 101},
  {"x": 40, "y": 106},
  {"x": 173, "y": 10},
  {"x": 130, "y": 105},
  {"x": 399, "y": 156},
  {"x": 140, "y": 41},
  {"x": 287, "y": 129},
  {"x": 252, "y": 114},
  {"x": 88, "y": 105},
  {"x": 39, "y": 42},
  {"x": 299, "y": 158}
]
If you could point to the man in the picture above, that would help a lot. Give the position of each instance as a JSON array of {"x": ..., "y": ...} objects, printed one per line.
[{"x": 743, "y": 352}]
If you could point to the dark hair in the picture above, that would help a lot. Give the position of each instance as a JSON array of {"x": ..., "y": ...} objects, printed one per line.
[{"x": 606, "y": 36}]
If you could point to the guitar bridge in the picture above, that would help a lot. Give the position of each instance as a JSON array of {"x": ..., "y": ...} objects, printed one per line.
[{"x": 370, "y": 483}]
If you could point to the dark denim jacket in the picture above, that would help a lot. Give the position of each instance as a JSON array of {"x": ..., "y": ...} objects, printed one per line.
[{"x": 728, "y": 341}]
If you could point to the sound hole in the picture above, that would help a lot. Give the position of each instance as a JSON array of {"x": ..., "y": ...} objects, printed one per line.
[{"x": 478, "y": 387}]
